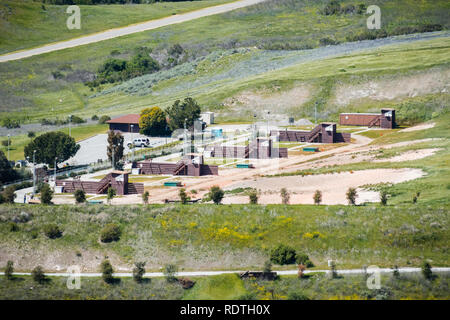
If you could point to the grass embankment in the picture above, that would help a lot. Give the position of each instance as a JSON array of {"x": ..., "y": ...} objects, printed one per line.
[
  {"x": 79, "y": 133},
  {"x": 224, "y": 287},
  {"x": 27, "y": 24},
  {"x": 28, "y": 84}
]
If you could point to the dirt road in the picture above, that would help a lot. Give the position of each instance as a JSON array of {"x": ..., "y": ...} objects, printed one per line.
[{"x": 119, "y": 32}]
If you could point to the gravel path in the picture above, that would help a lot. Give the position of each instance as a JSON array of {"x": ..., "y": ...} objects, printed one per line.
[{"x": 119, "y": 32}]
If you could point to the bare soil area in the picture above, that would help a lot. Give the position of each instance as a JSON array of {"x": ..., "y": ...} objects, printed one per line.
[{"x": 423, "y": 126}]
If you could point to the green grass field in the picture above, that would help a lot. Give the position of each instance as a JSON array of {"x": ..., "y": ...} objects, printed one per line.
[{"x": 27, "y": 24}]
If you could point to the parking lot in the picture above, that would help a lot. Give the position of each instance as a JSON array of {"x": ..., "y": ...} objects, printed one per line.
[{"x": 94, "y": 148}]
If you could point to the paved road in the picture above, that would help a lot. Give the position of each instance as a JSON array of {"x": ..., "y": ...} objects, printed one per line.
[
  {"x": 214, "y": 273},
  {"x": 114, "y": 33}
]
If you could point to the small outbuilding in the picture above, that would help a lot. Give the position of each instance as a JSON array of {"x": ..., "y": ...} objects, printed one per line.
[{"x": 126, "y": 123}]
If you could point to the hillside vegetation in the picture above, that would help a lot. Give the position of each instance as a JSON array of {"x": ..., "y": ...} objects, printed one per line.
[{"x": 219, "y": 64}]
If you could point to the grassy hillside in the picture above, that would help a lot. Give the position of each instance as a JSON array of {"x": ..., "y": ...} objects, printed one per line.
[
  {"x": 218, "y": 66},
  {"x": 27, "y": 24}
]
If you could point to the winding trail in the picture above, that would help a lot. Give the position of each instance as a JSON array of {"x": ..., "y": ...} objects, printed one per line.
[
  {"x": 215, "y": 273},
  {"x": 119, "y": 32}
]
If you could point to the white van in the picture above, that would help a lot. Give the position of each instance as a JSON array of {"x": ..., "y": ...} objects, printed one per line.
[{"x": 139, "y": 142}]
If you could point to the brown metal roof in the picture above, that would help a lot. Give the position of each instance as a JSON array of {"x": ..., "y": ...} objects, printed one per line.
[{"x": 129, "y": 118}]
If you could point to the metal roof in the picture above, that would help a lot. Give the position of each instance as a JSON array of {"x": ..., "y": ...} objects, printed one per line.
[{"x": 129, "y": 118}]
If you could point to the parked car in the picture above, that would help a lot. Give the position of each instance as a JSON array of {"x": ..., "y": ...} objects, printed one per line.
[{"x": 139, "y": 142}]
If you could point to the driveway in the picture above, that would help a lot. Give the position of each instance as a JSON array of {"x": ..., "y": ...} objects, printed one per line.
[{"x": 119, "y": 32}]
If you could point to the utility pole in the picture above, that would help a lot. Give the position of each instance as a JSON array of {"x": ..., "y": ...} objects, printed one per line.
[
  {"x": 56, "y": 158},
  {"x": 113, "y": 162},
  {"x": 34, "y": 172},
  {"x": 9, "y": 142},
  {"x": 132, "y": 142}
]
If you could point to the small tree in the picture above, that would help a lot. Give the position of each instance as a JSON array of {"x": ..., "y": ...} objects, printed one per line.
[
  {"x": 383, "y": 197},
  {"x": 283, "y": 254},
  {"x": 302, "y": 258},
  {"x": 138, "y": 271},
  {"x": 333, "y": 270},
  {"x": 145, "y": 196},
  {"x": 111, "y": 232},
  {"x": 107, "y": 271},
  {"x": 31, "y": 134},
  {"x": 253, "y": 196},
  {"x": 38, "y": 274},
  {"x": 9, "y": 270},
  {"x": 9, "y": 194},
  {"x": 80, "y": 196},
  {"x": 46, "y": 194},
  {"x": 183, "y": 196},
  {"x": 351, "y": 196},
  {"x": 318, "y": 197},
  {"x": 267, "y": 266},
  {"x": 426, "y": 271},
  {"x": 396, "y": 272},
  {"x": 285, "y": 196},
  {"x": 301, "y": 270},
  {"x": 216, "y": 194},
  {"x": 170, "y": 272},
  {"x": 416, "y": 197},
  {"x": 111, "y": 194},
  {"x": 115, "y": 148}
]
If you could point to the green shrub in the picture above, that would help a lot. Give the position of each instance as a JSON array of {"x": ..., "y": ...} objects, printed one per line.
[
  {"x": 253, "y": 196},
  {"x": 317, "y": 197},
  {"x": 426, "y": 271},
  {"x": 111, "y": 193},
  {"x": 283, "y": 254},
  {"x": 46, "y": 194},
  {"x": 170, "y": 272},
  {"x": 80, "y": 196},
  {"x": 285, "y": 196},
  {"x": 216, "y": 194},
  {"x": 52, "y": 231},
  {"x": 296, "y": 296},
  {"x": 267, "y": 266},
  {"x": 351, "y": 196},
  {"x": 9, "y": 195},
  {"x": 13, "y": 227},
  {"x": 138, "y": 271},
  {"x": 383, "y": 197},
  {"x": 103, "y": 119},
  {"x": 110, "y": 232},
  {"x": 303, "y": 259},
  {"x": 145, "y": 197},
  {"x": 9, "y": 269},
  {"x": 38, "y": 275},
  {"x": 94, "y": 117},
  {"x": 183, "y": 196},
  {"x": 107, "y": 271}
]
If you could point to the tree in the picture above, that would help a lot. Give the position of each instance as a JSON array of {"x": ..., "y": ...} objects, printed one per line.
[
  {"x": 107, "y": 271},
  {"x": 38, "y": 274},
  {"x": 46, "y": 194},
  {"x": 396, "y": 272},
  {"x": 7, "y": 173},
  {"x": 333, "y": 270},
  {"x": 31, "y": 134},
  {"x": 9, "y": 194},
  {"x": 285, "y": 196},
  {"x": 9, "y": 269},
  {"x": 179, "y": 111},
  {"x": 110, "y": 194},
  {"x": 80, "y": 196},
  {"x": 170, "y": 272},
  {"x": 416, "y": 197},
  {"x": 152, "y": 121},
  {"x": 103, "y": 119},
  {"x": 283, "y": 254},
  {"x": 426, "y": 271},
  {"x": 267, "y": 266},
  {"x": 145, "y": 196},
  {"x": 115, "y": 145},
  {"x": 111, "y": 232},
  {"x": 183, "y": 196},
  {"x": 351, "y": 196},
  {"x": 253, "y": 196},
  {"x": 138, "y": 271},
  {"x": 383, "y": 197},
  {"x": 216, "y": 194},
  {"x": 302, "y": 258},
  {"x": 317, "y": 197},
  {"x": 52, "y": 145}
]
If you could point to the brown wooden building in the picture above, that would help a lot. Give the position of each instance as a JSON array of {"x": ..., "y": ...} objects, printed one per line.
[
  {"x": 260, "y": 148},
  {"x": 385, "y": 119},
  {"x": 322, "y": 133},
  {"x": 126, "y": 123},
  {"x": 190, "y": 165}
]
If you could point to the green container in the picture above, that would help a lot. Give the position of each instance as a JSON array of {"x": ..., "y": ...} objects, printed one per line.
[
  {"x": 243, "y": 165},
  {"x": 172, "y": 184},
  {"x": 310, "y": 149},
  {"x": 94, "y": 202}
]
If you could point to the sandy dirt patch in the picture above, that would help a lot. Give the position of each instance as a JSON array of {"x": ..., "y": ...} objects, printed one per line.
[
  {"x": 333, "y": 186},
  {"x": 411, "y": 155},
  {"x": 419, "y": 127}
]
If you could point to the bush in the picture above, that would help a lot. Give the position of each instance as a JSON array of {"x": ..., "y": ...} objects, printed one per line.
[
  {"x": 94, "y": 117},
  {"x": 52, "y": 231},
  {"x": 76, "y": 119},
  {"x": 13, "y": 227},
  {"x": 383, "y": 197},
  {"x": 351, "y": 196},
  {"x": 38, "y": 275},
  {"x": 103, "y": 119},
  {"x": 267, "y": 266},
  {"x": 138, "y": 271},
  {"x": 285, "y": 196},
  {"x": 9, "y": 269},
  {"x": 107, "y": 271},
  {"x": 46, "y": 194},
  {"x": 110, "y": 232},
  {"x": 183, "y": 196},
  {"x": 110, "y": 194},
  {"x": 296, "y": 296},
  {"x": 216, "y": 194},
  {"x": 170, "y": 272},
  {"x": 31, "y": 134},
  {"x": 303, "y": 259},
  {"x": 426, "y": 271},
  {"x": 416, "y": 197},
  {"x": 253, "y": 196},
  {"x": 283, "y": 254},
  {"x": 317, "y": 197},
  {"x": 145, "y": 196},
  {"x": 80, "y": 196}
]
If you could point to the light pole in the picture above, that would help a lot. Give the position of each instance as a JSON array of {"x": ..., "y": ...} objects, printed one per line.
[
  {"x": 113, "y": 164},
  {"x": 56, "y": 158},
  {"x": 9, "y": 142},
  {"x": 268, "y": 114},
  {"x": 132, "y": 142},
  {"x": 34, "y": 172}
]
